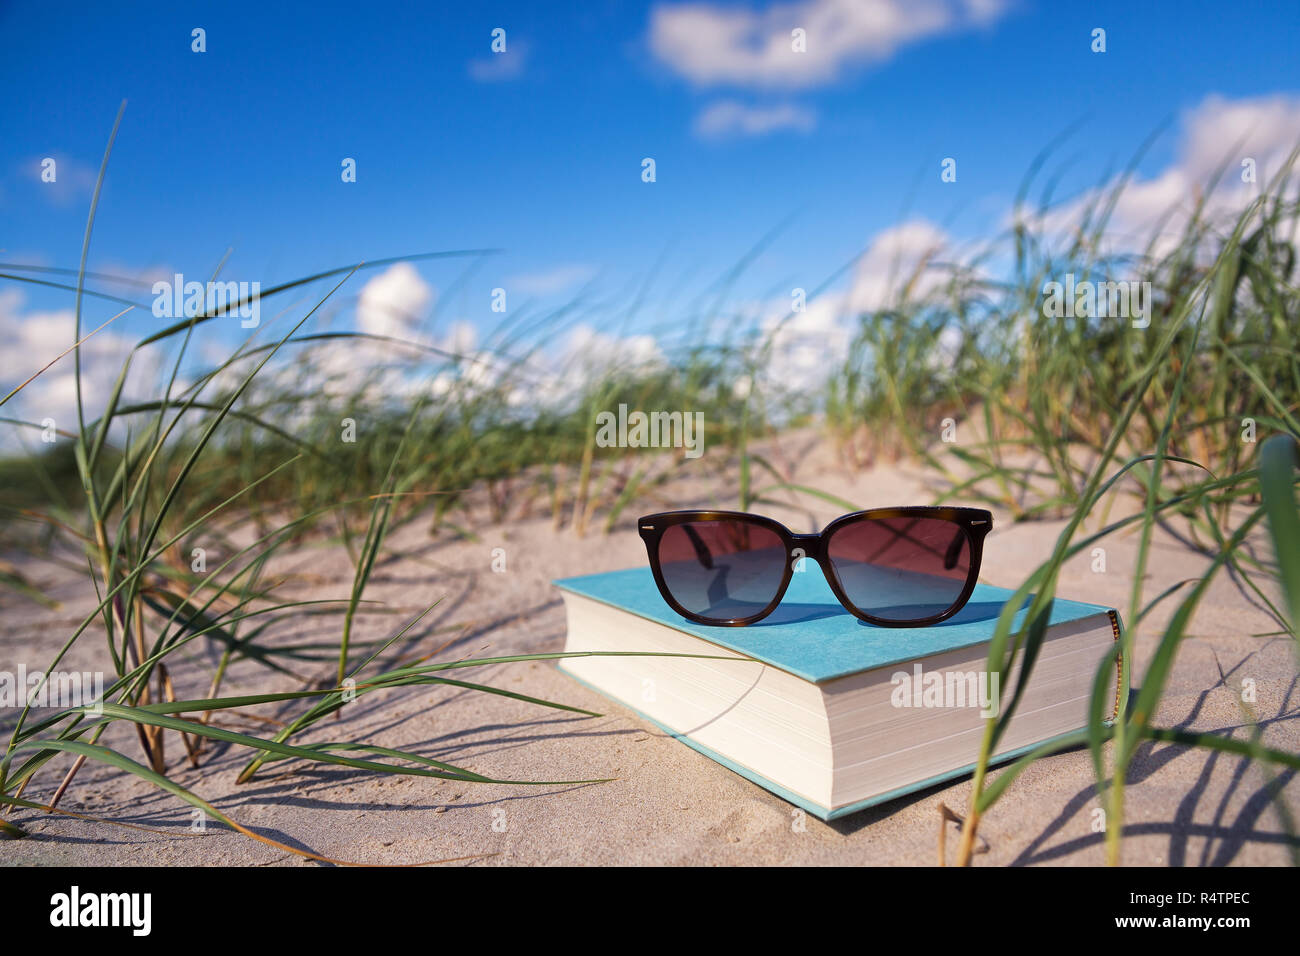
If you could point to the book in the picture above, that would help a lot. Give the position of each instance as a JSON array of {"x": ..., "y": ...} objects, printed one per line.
[{"x": 830, "y": 713}]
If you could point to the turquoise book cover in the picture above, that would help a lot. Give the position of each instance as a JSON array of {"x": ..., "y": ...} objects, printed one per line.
[{"x": 810, "y": 634}]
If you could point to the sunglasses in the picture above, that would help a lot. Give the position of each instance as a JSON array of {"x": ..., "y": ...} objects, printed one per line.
[{"x": 894, "y": 567}]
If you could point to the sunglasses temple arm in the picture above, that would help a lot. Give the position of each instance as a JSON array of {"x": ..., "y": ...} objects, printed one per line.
[
  {"x": 954, "y": 550},
  {"x": 701, "y": 549}
]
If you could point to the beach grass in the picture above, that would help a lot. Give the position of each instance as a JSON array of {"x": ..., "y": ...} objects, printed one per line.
[{"x": 1191, "y": 416}]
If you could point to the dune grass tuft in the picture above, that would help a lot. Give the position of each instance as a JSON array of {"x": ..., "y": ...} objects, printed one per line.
[{"x": 1191, "y": 415}]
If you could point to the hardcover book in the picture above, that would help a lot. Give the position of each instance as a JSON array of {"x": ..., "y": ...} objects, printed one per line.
[{"x": 826, "y": 711}]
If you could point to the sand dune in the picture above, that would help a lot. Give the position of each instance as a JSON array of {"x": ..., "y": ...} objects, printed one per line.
[{"x": 668, "y": 805}]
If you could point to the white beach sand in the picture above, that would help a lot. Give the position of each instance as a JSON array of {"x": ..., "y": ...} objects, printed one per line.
[{"x": 668, "y": 804}]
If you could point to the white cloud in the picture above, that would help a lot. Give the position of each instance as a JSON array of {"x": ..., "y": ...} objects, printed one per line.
[
  {"x": 393, "y": 302},
  {"x": 805, "y": 345},
  {"x": 1216, "y": 135},
  {"x": 551, "y": 281},
  {"x": 551, "y": 377},
  {"x": 31, "y": 339},
  {"x": 898, "y": 258},
  {"x": 460, "y": 339},
  {"x": 74, "y": 180},
  {"x": 501, "y": 67},
  {"x": 1219, "y": 130},
  {"x": 591, "y": 353},
  {"x": 711, "y": 45},
  {"x": 731, "y": 118}
]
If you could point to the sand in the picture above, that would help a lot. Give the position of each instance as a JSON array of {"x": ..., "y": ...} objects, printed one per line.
[{"x": 667, "y": 805}]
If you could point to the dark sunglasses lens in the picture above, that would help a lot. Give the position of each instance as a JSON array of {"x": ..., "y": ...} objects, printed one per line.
[
  {"x": 725, "y": 569},
  {"x": 903, "y": 568}
]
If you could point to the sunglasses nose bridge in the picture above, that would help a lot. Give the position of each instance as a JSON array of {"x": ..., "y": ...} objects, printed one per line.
[{"x": 808, "y": 546}]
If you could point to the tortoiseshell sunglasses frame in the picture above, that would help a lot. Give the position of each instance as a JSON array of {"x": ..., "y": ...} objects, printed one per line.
[{"x": 975, "y": 522}]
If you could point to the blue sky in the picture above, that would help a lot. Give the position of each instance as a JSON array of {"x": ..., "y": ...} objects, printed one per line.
[{"x": 538, "y": 151}]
